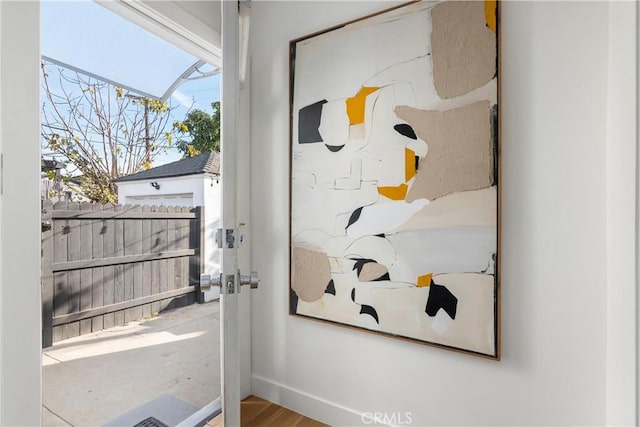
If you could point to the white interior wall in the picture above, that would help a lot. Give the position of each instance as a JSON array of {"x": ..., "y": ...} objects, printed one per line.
[
  {"x": 20, "y": 307},
  {"x": 555, "y": 230},
  {"x": 622, "y": 191}
]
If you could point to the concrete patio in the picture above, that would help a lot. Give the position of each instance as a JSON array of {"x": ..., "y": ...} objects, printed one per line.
[{"x": 167, "y": 366}]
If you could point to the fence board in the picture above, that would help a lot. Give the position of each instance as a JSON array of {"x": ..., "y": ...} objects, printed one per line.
[
  {"x": 60, "y": 300},
  {"x": 174, "y": 244},
  {"x": 86, "y": 275},
  {"x": 127, "y": 259},
  {"x": 128, "y": 212},
  {"x": 194, "y": 242},
  {"x": 47, "y": 274},
  {"x": 184, "y": 244},
  {"x": 155, "y": 265},
  {"x": 108, "y": 265},
  {"x": 119, "y": 251},
  {"x": 138, "y": 279},
  {"x": 164, "y": 238},
  {"x": 202, "y": 242},
  {"x": 146, "y": 266},
  {"x": 73, "y": 278},
  {"x": 98, "y": 231},
  {"x": 137, "y": 302},
  {"x": 109, "y": 272},
  {"x": 129, "y": 249}
]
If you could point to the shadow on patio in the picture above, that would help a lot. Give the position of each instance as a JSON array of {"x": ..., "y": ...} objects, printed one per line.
[{"x": 167, "y": 367}]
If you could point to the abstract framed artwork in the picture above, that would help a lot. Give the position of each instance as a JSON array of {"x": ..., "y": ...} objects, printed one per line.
[{"x": 394, "y": 221}]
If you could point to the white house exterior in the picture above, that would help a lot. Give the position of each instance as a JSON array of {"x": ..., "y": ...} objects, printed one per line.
[{"x": 188, "y": 182}]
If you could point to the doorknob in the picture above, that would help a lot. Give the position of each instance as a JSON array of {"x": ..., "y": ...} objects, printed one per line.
[
  {"x": 207, "y": 280},
  {"x": 252, "y": 279}
]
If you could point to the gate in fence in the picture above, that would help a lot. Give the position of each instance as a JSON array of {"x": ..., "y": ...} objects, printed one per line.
[{"x": 106, "y": 265}]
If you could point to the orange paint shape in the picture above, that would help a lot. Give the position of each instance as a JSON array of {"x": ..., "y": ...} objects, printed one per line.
[
  {"x": 394, "y": 193},
  {"x": 409, "y": 164},
  {"x": 424, "y": 280},
  {"x": 355, "y": 105},
  {"x": 490, "y": 14}
]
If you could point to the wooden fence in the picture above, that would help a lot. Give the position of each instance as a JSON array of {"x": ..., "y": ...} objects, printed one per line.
[{"x": 106, "y": 265}]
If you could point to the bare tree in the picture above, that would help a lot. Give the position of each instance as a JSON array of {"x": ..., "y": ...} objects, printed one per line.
[{"x": 99, "y": 130}]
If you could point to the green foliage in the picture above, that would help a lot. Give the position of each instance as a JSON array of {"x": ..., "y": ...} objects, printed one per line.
[
  {"x": 99, "y": 189},
  {"x": 199, "y": 132}
]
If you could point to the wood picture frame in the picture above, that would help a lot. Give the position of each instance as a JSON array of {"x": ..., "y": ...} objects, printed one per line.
[{"x": 394, "y": 167}]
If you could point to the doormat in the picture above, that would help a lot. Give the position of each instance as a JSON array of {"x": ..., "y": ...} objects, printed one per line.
[
  {"x": 151, "y": 422},
  {"x": 164, "y": 411}
]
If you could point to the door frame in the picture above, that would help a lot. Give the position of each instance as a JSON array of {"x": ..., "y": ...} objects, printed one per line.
[
  {"x": 20, "y": 289},
  {"x": 229, "y": 278},
  {"x": 20, "y": 302}
]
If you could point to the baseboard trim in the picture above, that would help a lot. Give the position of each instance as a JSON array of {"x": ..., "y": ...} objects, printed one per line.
[{"x": 307, "y": 404}]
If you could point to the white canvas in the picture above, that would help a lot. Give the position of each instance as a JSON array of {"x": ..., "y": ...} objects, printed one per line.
[{"x": 392, "y": 180}]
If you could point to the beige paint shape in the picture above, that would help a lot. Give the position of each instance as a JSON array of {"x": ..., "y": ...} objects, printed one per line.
[
  {"x": 460, "y": 154},
  {"x": 371, "y": 271},
  {"x": 463, "y": 48},
  {"x": 339, "y": 307},
  {"x": 469, "y": 208},
  {"x": 310, "y": 274},
  {"x": 402, "y": 311}
]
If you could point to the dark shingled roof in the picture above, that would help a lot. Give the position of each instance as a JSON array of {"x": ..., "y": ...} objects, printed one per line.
[{"x": 203, "y": 163}]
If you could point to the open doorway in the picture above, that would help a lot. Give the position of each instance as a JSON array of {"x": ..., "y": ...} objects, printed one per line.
[{"x": 129, "y": 335}]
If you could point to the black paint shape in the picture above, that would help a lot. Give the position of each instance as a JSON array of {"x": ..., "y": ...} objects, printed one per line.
[
  {"x": 353, "y": 294},
  {"x": 441, "y": 298},
  {"x": 380, "y": 235},
  {"x": 354, "y": 217},
  {"x": 385, "y": 277},
  {"x": 367, "y": 309},
  {"x": 406, "y": 130},
  {"x": 494, "y": 130},
  {"x": 309, "y": 122},
  {"x": 331, "y": 288},
  {"x": 360, "y": 262},
  {"x": 334, "y": 148},
  {"x": 417, "y": 160},
  {"x": 293, "y": 302}
]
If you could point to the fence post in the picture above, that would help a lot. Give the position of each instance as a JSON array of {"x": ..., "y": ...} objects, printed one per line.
[
  {"x": 47, "y": 273},
  {"x": 197, "y": 241}
]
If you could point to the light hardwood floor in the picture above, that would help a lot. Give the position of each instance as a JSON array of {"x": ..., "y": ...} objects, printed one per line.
[{"x": 256, "y": 412}]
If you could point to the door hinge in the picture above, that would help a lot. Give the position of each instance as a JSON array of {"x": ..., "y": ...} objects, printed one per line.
[{"x": 229, "y": 239}]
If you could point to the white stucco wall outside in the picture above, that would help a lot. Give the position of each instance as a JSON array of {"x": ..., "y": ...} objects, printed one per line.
[{"x": 556, "y": 240}]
